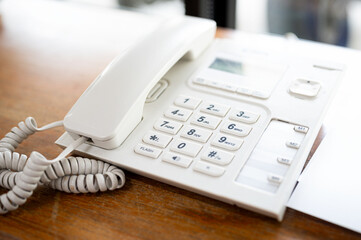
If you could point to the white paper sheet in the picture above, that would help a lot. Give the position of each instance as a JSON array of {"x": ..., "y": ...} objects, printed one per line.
[
  {"x": 330, "y": 186},
  {"x": 330, "y": 189}
]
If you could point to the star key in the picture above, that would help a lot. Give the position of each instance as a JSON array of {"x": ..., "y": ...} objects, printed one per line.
[{"x": 157, "y": 139}]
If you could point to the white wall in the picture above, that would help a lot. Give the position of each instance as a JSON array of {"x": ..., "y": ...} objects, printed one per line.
[
  {"x": 251, "y": 16},
  {"x": 354, "y": 17}
]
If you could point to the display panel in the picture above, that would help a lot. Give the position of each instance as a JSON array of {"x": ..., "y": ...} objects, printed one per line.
[{"x": 227, "y": 66}]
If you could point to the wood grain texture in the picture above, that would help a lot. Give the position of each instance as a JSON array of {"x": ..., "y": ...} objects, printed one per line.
[{"x": 43, "y": 78}]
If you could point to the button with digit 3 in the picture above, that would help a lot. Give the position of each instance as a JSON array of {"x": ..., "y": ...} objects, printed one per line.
[{"x": 244, "y": 116}]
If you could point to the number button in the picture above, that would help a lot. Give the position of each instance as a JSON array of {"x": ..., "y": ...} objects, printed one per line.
[
  {"x": 217, "y": 156},
  {"x": 235, "y": 129},
  {"x": 185, "y": 147},
  {"x": 205, "y": 121},
  {"x": 157, "y": 139},
  {"x": 214, "y": 109},
  {"x": 196, "y": 134},
  {"x": 227, "y": 142},
  {"x": 187, "y": 102},
  {"x": 243, "y": 116},
  {"x": 178, "y": 114},
  {"x": 167, "y": 126}
]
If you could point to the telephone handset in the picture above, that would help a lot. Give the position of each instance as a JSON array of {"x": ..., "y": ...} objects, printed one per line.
[{"x": 112, "y": 106}]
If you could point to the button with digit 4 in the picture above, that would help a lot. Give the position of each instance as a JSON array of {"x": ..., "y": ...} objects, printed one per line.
[
  {"x": 187, "y": 102},
  {"x": 227, "y": 142},
  {"x": 185, "y": 147},
  {"x": 244, "y": 116},
  {"x": 178, "y": 113}
]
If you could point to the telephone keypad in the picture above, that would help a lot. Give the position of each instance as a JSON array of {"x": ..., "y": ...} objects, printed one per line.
[{"x": 187, "y": 139}]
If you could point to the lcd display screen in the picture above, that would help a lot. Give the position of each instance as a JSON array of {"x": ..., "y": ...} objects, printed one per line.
[{"x": 227, "y": 66}]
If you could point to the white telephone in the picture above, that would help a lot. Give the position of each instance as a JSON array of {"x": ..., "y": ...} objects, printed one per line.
[
  {"x": 232, "y": 120},
  {"x": 235, "y": 124}
]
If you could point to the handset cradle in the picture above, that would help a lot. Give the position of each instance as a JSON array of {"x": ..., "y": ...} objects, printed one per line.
[{"x": 112, "y": 106}]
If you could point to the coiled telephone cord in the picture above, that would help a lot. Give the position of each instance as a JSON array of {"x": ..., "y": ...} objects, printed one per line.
[{"x": 22, "y": 175}]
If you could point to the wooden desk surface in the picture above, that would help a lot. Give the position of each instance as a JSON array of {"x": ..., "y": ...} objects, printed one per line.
[{"x": 43, "y": 77}]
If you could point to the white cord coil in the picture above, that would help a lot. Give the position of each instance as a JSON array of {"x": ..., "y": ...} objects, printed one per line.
[{"x": 73, "y": 174}]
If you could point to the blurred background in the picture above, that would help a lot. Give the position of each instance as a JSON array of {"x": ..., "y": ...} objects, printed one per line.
[{"x": 331, "y": 21}]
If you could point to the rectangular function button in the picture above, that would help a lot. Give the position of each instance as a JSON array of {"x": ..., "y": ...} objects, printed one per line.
[
  {"x": 200, "y": 81},
  {"x": 286, "y": 161},
  {"x": 292, "y": 144},
  {"x": 214, "y": 109},
  {"x": 157, "y": 139},
  {"x": 244, "y": 91},
  {"x": 178, "y": 113},
  {"x": 217, "y": 156},
  {"x": 208, "y": 169},
  {"x": 205, "y": 121},
  {"x": 185, "y": 147},
  {"x": 147, "y": 151},
  {"x": 195, "y": 133},
  {"x": 301, "y": 129},
  {"x": 228, "y": 87},
  {"x": 236, "y": 129},
  {"x": 227, "y": 142},
  {"x": 167, "y": 126},
  {"x": 187, "y": 102},
  {"x": 244, "y": 116},
  {"x": 260, "y": 94},
  {"x": 177, "y": 159},
  {"x": 275, "y": 178}
]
